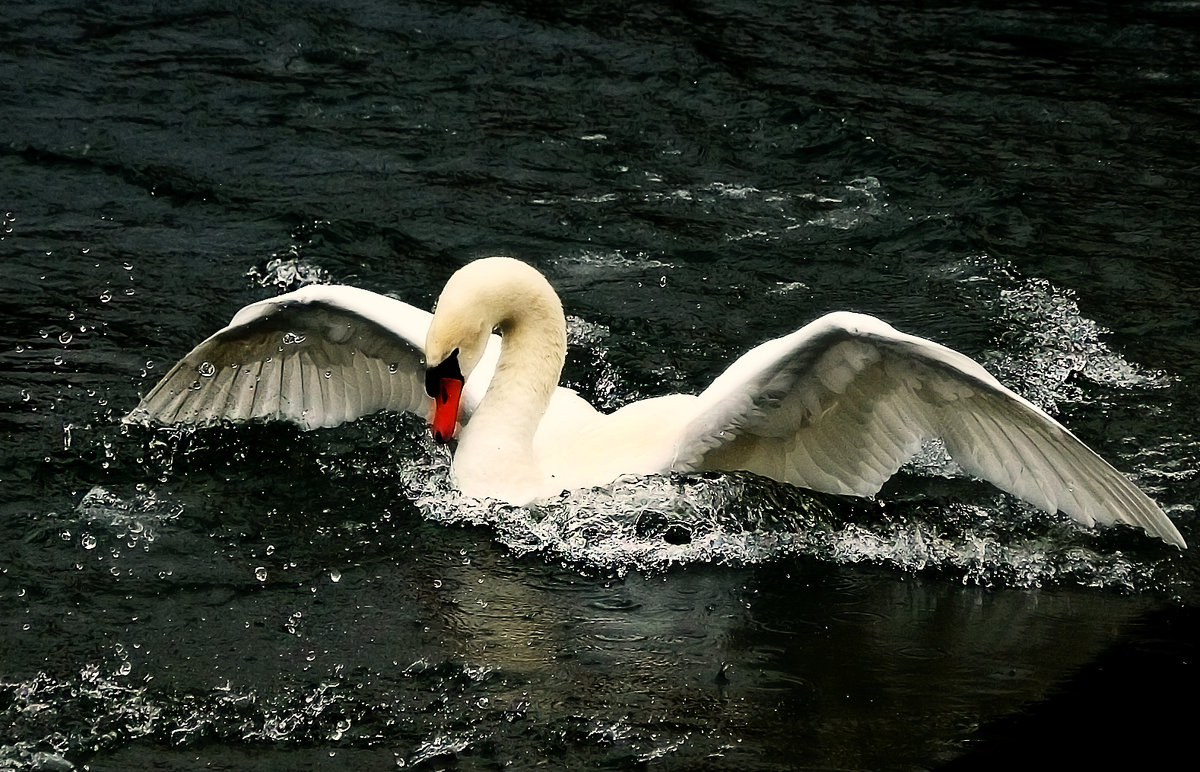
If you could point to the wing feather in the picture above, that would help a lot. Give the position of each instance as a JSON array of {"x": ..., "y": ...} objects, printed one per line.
[
  {"x": 841, "y": 404},
  {"x": 316, "y": 357}
]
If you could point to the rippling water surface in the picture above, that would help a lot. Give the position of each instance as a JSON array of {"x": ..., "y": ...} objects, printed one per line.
[{"x": 1018, "y": 182}]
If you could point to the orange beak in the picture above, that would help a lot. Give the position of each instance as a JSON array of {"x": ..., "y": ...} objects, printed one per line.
[
  {"x": 445, "y": 408},
  {"x": 444, "y": 382}
]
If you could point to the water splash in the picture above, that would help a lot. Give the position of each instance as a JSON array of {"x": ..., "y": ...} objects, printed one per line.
[
  {"x": 92, "y": 712},
  {"x": 659, "y": 523},
  {"x": 1047, "y": 342},
  {"x": 98, "y": 710},
  {"x": 132, "y": 522},
  {"x": 604, "y": 382},
  {"x": 288, "y": 272}
]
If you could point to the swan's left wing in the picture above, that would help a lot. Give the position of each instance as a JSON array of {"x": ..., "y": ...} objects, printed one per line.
[
  {"x": 842, "y": 403},
  {"x": 319, "y": 356}
]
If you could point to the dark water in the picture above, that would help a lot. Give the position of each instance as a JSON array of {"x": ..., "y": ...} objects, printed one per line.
[{"x": 1018, "y": 181}]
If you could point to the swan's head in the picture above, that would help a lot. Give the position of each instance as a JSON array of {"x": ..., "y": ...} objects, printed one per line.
[
  {"x": 493, "y": 294},
  {"x": 453, "y": 347}
]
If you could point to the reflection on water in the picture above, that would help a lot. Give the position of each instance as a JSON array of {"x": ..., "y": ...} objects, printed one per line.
[{"x": 480, "y": 655}]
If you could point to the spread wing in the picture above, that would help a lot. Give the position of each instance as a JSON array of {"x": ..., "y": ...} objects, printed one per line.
[
  {"x": 842, "y": 403},
  {"x": 319, "y": 356}
]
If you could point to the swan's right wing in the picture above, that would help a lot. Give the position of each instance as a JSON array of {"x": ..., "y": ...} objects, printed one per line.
[
  {"x": 842, "y": 403},
  {"x": 316, "y": 357}
]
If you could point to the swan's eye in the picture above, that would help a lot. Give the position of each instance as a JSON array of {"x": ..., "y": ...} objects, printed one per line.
[{"x": 434, "y": 376}]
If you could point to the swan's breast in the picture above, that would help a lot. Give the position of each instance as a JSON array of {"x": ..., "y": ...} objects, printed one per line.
[{"x": 579, "y": 447}]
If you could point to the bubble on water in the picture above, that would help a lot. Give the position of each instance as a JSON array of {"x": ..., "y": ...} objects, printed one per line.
[
  {"x": 88, "y": 541},
  {"x": 260, "y": 573},
  {"x": 106, "y": 296},
  {"x": 335, "y": 576},
  {"x": 64, "y": 337}
]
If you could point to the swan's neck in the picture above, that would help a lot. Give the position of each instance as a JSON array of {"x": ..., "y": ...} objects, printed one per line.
[
  {"x": 532, "y": 352},
  {"x": 495, "y": 449}
]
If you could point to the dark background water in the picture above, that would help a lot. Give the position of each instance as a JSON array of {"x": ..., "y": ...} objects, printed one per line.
[{"x": 1015, "y": 180}]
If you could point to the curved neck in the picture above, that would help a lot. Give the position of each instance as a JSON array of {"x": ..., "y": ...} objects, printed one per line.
[
  {"x": 532, "y": 352},
  {"x": 495, "y": 454}
]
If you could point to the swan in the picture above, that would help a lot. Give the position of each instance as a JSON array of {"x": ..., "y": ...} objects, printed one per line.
[{"x": 836, "y": 406}]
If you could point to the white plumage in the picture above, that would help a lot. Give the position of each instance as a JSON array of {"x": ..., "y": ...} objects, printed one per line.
[{"x": 837, "y": 406}]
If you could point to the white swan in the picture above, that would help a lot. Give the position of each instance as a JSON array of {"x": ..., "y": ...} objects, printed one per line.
[{"x": 837, "y": 406}]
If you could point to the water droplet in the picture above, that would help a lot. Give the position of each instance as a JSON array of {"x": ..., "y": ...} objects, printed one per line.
[
  {"x": 58, "y": 361},
  {"x": 291, "y": 338},
  {"x": 260, "y": 573},
  {"x": 329, "y": 374},
  {"x": 64, "y": 338},
  {"x": 87, "y": 541},
  {"x": 105, "y": 296},
  {"x": 335, "y": 576},
  {"x": 437, "y": 583},
  {"x": 207, "y": 369},
  {"x": 270, "y": 549}
]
